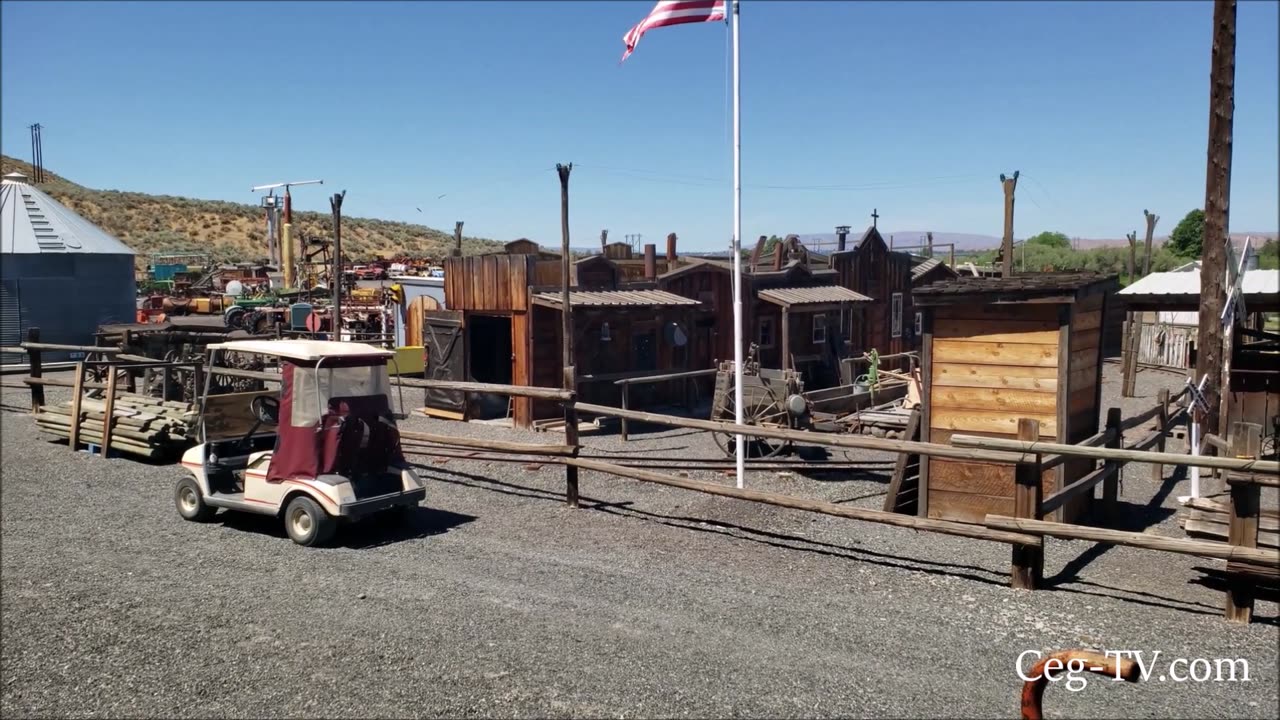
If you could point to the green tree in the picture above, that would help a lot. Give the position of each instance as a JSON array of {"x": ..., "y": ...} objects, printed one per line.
[
  {"x": 1187, "y": 238},
  {"x": 1050, "y": 239},
  {"x": 1269, "y": 255}
]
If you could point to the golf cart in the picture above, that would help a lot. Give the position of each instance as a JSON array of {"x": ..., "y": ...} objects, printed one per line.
[{"x": 323, "y": 448}]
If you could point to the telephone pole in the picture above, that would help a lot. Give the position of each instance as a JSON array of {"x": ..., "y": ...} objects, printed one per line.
[
  {"x": 1217, "y": 197},
  {"x": 335, "y": 204},
  {"x": 1006, "y": 246}
]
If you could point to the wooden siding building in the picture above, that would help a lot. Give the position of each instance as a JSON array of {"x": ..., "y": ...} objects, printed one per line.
[
  {"x": 886, "y": 277},
  {"x": 996, "y": 350},
  {"x": 502, "y": 326}
]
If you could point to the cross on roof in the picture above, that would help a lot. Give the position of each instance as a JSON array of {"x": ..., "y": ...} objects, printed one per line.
[{"x": 874, "y": 217}]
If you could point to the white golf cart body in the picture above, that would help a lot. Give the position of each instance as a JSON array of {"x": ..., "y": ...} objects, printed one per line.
[{"x": 333, "y": 407}]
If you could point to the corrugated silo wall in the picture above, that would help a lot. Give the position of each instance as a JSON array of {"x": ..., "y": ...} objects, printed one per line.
[{"x": 68, "y": 295}]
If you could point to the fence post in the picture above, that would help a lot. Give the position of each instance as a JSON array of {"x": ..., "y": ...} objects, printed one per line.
[
  {"x": 1162, "y": 424},
  {"x": 1028, "y": 560},
  {"x": 77, "y": 395},
  {"x": 108, "y": 413},
  {"x": 1111, "y": 485},
  {"x": 626, "y": 405},
  {"x": 1246, "y": 441},
  {"x": 34, "y": 370}
]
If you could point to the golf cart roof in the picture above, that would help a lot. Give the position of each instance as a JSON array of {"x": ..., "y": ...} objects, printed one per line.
[{"x": 304, "y": 350}]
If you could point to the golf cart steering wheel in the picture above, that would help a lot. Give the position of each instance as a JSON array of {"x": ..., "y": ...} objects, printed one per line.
[{"x": 266, "y": 409}]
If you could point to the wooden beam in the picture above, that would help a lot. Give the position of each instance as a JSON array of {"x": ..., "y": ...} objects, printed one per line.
[
  {"x": 805, "y": 436},
  {"x": 1134, "y": 539},
  {"x": 947, "y": 527},
  {"x": 1027, "y": 566},
  {"x": 1202, "y": 461}
]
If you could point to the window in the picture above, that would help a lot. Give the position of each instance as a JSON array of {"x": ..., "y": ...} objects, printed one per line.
[
  {"x": 313, "y": 388},
  {"x": 896, "y": 315},
  {"x": 919, "y": 324},
  {"x": 819, "y": 329},
  {"x": 766, "y": 332}
]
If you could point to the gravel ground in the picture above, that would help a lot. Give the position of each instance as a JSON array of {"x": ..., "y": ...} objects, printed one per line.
[{"x": 649, "y": 601}]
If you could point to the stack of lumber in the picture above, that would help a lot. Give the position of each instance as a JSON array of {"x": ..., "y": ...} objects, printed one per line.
[
  {"x": 143, "y": 425},
  {"x": 1209, "y": 520}
]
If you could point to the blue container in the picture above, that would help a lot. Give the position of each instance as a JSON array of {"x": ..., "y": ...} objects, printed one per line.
[
  {"x": 298, "y": 313},
  {"x": 166, "y": 271}
]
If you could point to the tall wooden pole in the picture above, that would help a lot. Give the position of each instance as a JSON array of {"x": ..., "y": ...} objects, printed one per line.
[
  {"x": 566, "y": 342},
  {"x": 1151, "y": 230},
  {"x": 1006, "y": 246},
  {"x": 335, "y": 204},
  {"x": 1217, "y": 199},
  {"x": 457, "y": 240}
]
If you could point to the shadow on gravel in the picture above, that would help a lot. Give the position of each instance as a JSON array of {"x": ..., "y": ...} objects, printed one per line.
[
  {"x": 373, "y": 532},
  {"x": 737, "y": 532}
]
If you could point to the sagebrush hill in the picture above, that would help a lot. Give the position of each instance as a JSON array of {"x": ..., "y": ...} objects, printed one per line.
[{"x": 227, "y": 231}]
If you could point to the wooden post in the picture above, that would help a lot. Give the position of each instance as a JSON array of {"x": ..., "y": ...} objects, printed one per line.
[
  {"x": 77, "y": 394},
  {"x": 1006, "y": 245},
  {"x": 1028, "y": 560},
  {"x": 1132, "y": 263},
  {"x": 1246, "y": 441},
  {"x": 1217, "y": 196},
  {"x": 1162, "y": 425},
  {"x": 566, "y": 341},
  {"x": 1134, "y": 330},
  {"x": 1111, "y": 486},
  {"x": 34, "y": 370},
  {"x": 457, "y": 240},
  {"x": 626, "y": 405},
  {"x": 785, "y": 332},
  {"x": 1151, "y": 229},
  {"x": 108, "y": 412}
]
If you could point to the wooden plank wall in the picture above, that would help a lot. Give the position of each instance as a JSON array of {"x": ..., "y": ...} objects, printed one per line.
[
  {"x": 872, "y": 270},
  {"x": 488, "y": 282},
  {"x": 990, "y": 366},
  {"x": 521, "y": 350},
  {"x": 714, "y": 288}
]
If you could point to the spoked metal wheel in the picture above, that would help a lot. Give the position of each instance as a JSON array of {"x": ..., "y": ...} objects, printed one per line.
[{"x": 760, "y": 408}]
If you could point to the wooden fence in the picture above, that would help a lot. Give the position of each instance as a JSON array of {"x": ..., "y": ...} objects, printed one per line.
[{"x": 1024, "y": 531}]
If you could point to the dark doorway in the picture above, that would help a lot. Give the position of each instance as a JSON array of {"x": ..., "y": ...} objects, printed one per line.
[{"x": 489, "y": 353}]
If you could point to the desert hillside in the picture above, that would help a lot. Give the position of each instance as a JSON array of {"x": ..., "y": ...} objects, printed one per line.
[{"x": 229, "y": 231}]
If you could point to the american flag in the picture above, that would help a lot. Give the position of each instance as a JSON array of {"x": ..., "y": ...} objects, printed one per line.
[{"x": 673, "y": 12}]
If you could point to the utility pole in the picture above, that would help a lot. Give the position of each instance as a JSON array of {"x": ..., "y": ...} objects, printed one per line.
[
  {"x": 566, "y": 341},
  {"x": 335, "y": 203},
  {"x": 37, "y": 154},
  {"x": 1132, "y": 329},
  {"x": 1151, "y": 229},
  {"x": 1217, "y": 197},
  {"x": 1006, "y": 245}
]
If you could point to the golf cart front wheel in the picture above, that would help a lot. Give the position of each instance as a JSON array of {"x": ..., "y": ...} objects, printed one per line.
[
  {"x": 307, "y": 523},
  {"x": 190, "y": 501}
]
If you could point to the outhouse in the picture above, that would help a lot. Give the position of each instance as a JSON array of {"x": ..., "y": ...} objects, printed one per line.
[{"x": 998, "y": 349}]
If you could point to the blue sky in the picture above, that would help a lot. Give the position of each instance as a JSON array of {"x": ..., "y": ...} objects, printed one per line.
[{"x": 913, "y": 108}]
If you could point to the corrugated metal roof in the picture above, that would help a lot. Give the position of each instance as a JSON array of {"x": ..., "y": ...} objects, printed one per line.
[
  {"x": 31, "y": 222},
  {"x": 812, "y": 295},
  {"x": 923, "y": 267},
  {"x": 617, "y": 298},
  {"x": 1256, "y": 282}
]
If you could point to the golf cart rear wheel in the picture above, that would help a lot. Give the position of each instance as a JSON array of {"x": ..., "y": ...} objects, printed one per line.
[
  {"x": 190, "y": 501},
  {"x": 307, "y": 523}
]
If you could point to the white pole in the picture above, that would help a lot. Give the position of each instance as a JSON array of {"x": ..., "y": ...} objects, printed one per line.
[{"x": 739, "y": 445}]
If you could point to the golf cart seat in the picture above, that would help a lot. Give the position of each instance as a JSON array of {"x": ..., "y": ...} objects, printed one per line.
[{"x": 357, "y": 437}]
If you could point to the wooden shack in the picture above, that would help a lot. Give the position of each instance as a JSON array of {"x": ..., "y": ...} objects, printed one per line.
[
  {"x": 870, "y": 268},
  {"x": 998, "y": 349},
  {"x": 502, "y": 326}
]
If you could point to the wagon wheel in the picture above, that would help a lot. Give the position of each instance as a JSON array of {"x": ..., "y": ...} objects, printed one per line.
[{"x": 761, "y": 409}]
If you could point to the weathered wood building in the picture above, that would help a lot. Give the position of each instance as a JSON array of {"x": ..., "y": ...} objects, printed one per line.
[
  {"x": 996, "y": 350},
  {"x": 503, "y": 326}
]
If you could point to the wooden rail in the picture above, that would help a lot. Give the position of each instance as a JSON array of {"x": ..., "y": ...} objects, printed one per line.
[
  {"x": 1037, "y": 446},
  {"x": 806, "y": 436},
  {"x": 626, "y": 384},
  {"x": 1066, "y": 531},
  {"x": 947, "y": 527}
]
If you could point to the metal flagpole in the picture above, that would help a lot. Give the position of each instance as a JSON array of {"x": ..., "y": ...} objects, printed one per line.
[{"x": 739, "y": 445}]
